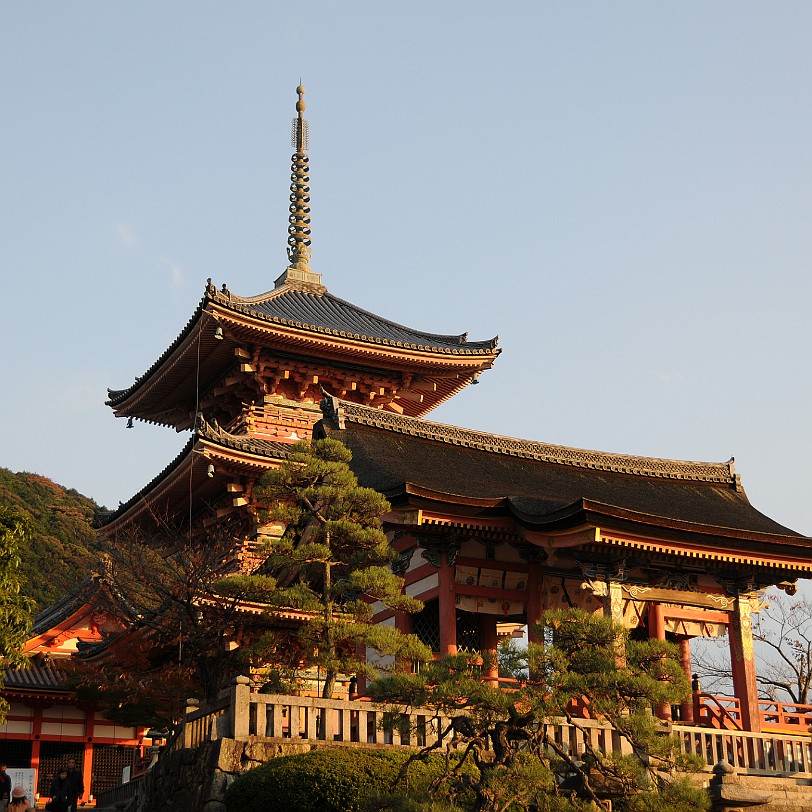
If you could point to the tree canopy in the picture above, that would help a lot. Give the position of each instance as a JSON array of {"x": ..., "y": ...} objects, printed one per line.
[
  {"x": 178, "y": 640},
  {"x": 15, "y": 608},
  {"x": 60, "y": 547},
  {"x": 586, "y": 662},
  {"x": 332, "y": 562}
]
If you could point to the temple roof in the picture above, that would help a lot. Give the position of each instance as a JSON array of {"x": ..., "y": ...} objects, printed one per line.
[
  {"x": 168, "y": 492},
  {"x": 321, "y": 312},
  {"x": 298, "y": 327},
  {"x": 543, "y": 485},
  {"x": 35, "y": 678},
  {"x": 78, "y": 597},
  {"x": 301, "y": 320}
]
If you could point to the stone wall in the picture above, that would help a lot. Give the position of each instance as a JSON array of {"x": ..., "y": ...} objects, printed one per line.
[{"x": 196, "y": 780}]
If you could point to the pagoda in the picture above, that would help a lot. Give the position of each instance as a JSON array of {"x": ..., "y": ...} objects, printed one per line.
[
  {"x": 246, "y": 373},
  {"x": 490, "y": 531}
]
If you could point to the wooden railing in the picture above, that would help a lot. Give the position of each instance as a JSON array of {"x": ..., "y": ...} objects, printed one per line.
[
  {"x": 241, "y": 714},
  {"x": 724, "y": 712},
  {"x": 752, "y": 753}
]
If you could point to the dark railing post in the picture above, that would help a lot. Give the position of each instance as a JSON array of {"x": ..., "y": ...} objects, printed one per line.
[{"x": 696, "y": 689}]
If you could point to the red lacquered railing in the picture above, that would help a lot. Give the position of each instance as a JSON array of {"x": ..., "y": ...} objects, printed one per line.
[{"x": 724, "y": 713}]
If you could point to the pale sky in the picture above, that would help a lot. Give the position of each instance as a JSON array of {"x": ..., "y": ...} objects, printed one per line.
[{"x": 622, "y": 191}]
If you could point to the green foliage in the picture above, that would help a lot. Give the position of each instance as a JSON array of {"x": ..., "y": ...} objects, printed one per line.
[
  {"x": 328, "y": 780},
  {"x": 61, "y": 546},
  {"x": 333, "y": 561},
  {"x": 587, "y": 661},
  {"x": 15, "y": 608},
  {"x": 177, "y": 649}
]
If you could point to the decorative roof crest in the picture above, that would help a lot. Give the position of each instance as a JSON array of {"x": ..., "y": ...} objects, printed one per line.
[{"x": 298, "y": 272}]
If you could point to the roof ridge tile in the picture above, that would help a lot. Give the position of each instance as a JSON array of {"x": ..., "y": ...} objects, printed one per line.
[{"x": 339, "y": 412}]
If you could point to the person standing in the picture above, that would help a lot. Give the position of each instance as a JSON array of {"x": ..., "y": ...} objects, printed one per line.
[
  {"x": 19, "y": 803},
  {"x": 60, "y": 793},
  {"x": 5, "y": 788},
  {"x": 76, "y": 784}
]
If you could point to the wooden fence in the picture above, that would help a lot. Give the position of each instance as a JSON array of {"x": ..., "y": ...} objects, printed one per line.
[{"x": 242, "y": 715}]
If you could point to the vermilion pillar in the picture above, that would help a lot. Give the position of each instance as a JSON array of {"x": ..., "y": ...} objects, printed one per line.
[
  {"x": 36, "y": 730},
  {"x": 533, "y": 602},
  {"x": 743, "y": 664},
  {"x": 448, "y": 607},
  {"x": 687, "y": 707},
  {"x": 87, "y": 758},
  {"x": 656, "y": 631},
  {"x": 490, "y": 648}
]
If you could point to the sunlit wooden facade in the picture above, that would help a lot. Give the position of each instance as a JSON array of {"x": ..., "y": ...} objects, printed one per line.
[{"x": 47, "y": 724}]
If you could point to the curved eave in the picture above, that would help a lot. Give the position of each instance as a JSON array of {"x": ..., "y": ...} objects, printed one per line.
[
  {"x": 71, "y": 621},
  {"x": 167, "y": 496},
  {"x": 597, "y": 512},
  {"x": 620, "y": 526},
  {"x": 166, "y": 393},
  {"x": 411, "y": 492}
]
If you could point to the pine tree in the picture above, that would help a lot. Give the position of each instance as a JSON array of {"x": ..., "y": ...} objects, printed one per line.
[
  {"x": 585, "y": 661},
  {"x": 333, "y": 562}
]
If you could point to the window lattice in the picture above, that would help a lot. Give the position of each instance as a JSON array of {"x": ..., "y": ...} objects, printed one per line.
[
  {"x": 469, "y": 639},
  {"x": 426, "y": 625},
  {"x": 53, "y": 756},
  {"x": 109, "y": 760}
]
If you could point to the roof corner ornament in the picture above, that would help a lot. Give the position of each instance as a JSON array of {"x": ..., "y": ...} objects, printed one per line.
[
  {"x": 299, "y": 219},
  {"x": 332, "y": 410}
]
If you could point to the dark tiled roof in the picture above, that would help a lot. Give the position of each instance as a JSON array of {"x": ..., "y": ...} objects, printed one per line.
[
  {"x": 320, "y": 313},
  {"x": 537, "y": 481},
  {"x": 35, "y": 678},
  {"x": 325, "y": 313},
  {"x": 80, "y": 595}
]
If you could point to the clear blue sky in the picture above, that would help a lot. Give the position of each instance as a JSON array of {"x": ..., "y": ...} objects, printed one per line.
[{"x": 621, "y": 190}]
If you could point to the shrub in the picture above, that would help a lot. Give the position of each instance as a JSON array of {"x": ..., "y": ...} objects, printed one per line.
[{"x": 328, "y": 780}]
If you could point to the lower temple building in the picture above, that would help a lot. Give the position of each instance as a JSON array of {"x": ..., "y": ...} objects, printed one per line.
[{"x": 47, "y": 723}]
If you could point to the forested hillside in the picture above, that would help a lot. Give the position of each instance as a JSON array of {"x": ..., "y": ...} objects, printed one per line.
[{"x": 63, "y": 547}]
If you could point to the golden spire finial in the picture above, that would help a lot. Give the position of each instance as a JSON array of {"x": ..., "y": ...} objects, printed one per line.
[{"x": 299, "y": 219}]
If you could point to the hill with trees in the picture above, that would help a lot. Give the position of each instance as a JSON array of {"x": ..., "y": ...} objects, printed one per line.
[{"x": 61, "y": 547}]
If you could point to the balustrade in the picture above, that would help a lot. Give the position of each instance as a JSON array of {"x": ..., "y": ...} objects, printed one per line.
[{"x": 243, "y": 714}]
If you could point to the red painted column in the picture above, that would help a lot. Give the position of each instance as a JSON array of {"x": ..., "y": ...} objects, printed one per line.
[
  {"x": 656, "y": 631},
  {"x": 687, "y": 707},
  {"x": 533, "y": 602},
  {"x": 743, "y": 666},
  {"x": 448, "y": 607},
  {"x": 36, "y": 730},
  {"x": 490, "y": 648},
  {"x": 87, "y": 759}
]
